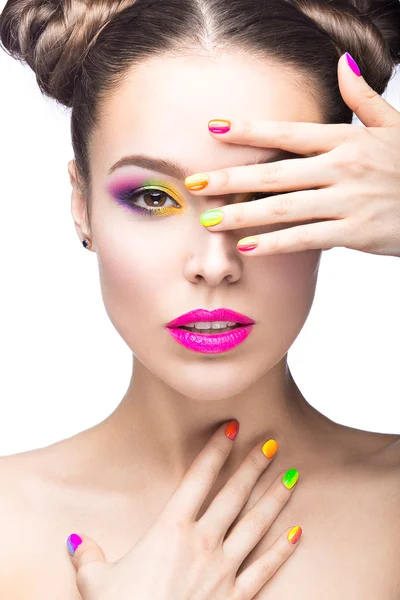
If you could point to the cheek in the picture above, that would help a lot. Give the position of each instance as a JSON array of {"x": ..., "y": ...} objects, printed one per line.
[
  {"x": 284, "y": 289},
  {"x": 133, "y": 275}
]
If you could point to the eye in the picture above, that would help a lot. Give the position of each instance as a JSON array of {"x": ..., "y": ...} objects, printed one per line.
[{"x": 153, "y": 200}]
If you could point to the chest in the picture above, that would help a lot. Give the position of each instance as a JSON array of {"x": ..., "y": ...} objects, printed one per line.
[{"x": 344, "y": 552}]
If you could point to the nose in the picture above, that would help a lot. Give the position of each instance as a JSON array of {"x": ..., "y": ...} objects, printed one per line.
[{"x": 213, "y": 257}]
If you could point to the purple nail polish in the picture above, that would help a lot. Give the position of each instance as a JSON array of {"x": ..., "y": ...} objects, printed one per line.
[
  {"x": 73, "y": 541},
  {"x": 353, "y": 65}
]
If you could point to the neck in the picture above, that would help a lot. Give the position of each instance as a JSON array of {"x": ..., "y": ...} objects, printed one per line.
[{"x": 164, "y": 431}]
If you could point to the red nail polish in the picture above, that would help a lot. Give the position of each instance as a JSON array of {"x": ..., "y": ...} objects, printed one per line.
[{"x": 232, "y": 429}]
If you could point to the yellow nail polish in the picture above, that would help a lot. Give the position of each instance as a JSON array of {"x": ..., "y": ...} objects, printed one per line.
[
  {"x": 270, "y": 447},
  {"x": 295, "y": 534},
  {"x": 197, "y": 182},
  {"x": 211, "y": 217}
]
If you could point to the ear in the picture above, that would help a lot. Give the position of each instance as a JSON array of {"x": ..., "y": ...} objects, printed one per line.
[{"x": 78, "y": 204}]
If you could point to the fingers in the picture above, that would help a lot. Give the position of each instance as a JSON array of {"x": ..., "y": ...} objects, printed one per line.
[
  {"x": 191, "y": 493},
  {"x": 279, "y": 176},
  {"x": 289, "y": 208},
  {"x": 90, "y": 564},
  {"x": 289, "y": 135},
  {"x": 254, "y": 525},
  {"x": 84, "y": 550},
  {"x": 260, "y": 571},
  {"x": 230, "y": 500}
]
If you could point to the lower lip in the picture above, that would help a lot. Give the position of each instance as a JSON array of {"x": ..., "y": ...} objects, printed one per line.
[{"x": 212, "y": 343}]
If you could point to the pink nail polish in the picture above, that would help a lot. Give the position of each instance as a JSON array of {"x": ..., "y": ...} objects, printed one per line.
[
  {"x": 353, "y": 65},
  {"x": 219, "y": 126},
  {"x": 73, "y": 541}
]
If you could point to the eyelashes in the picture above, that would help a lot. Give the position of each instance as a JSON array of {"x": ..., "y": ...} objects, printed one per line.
[
  {"x": 155, "y": 194},
  {"x": 152, "y": 195}
]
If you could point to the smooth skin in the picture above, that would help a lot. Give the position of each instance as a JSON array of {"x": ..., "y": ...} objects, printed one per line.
[
  {"x": 185, "y": 559},
  {"x": 111, "y": 481},
  {"x": 351, "y": 184}
]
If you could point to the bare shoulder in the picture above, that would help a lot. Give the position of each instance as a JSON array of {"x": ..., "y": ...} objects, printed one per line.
[
  {"x": 11, "y": 509},
  {"x": 385, "y": 468}
]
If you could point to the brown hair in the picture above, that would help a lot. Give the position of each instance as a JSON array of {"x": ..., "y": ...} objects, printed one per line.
[{"x": 81, "y": 51}]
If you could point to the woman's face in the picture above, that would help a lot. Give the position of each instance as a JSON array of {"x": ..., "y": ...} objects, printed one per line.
[{"x": 153, "y": 269}]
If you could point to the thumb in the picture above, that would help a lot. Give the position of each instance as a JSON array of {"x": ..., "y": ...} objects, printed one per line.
[
  {"x": 84, "y": 550},
  {"x": 365, "y": 102}
]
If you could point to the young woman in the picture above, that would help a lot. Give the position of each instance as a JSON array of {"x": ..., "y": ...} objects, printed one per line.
[{"x": 143, "y": 79}]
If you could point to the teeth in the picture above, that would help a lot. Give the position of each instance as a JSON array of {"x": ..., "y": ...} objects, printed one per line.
[{"x": 211, "y": 324}]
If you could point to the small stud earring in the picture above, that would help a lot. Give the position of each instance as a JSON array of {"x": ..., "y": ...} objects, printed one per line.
[{"x": 87, "y": 244}]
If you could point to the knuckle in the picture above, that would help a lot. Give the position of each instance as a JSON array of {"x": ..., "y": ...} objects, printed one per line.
[
  {"x": 239, "y": 491},
  {"x": 287, "y": 130},
  {"x": 205, "y": 544},
  {"x": 220, "y": 449},
  {"x": 281, "y": 551},
  {"x": 351, "y": 132},
  {"x": 257, "y": 522},
  {"x": 369, "y": 93},
  {"x": 207, "y": 474},
  {"x": 275, "y": 241},
  {"x": 179, "y": 527},
  {"x": 247, "y": 128},
  {"x": 304, "y": 238},
  {"x": 256, "y": 464},
  {"x": 270, "y": 172},
  {"x": 208, "y": 471},
  {"x": 239, "y": 214},
  {"x": 224, "y": 177},
  {"x": 355, "y": 160},
  {"x": 276, "y": 501},
  {"x": 281, "y": 205},
  {"x": 266, "y": 569},
  {"x": 86, "y": 577}
]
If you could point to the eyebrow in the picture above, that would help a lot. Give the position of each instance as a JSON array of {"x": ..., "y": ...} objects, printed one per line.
[{"x": 174, "y": 169}]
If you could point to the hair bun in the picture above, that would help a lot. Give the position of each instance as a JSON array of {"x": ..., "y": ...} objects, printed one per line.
[
  {"x": 368, "y": 29},
  {"x": 54, "y": 37}
]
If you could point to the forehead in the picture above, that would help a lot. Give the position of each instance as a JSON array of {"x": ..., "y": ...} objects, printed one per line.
[{"x": 163, "y": 106}]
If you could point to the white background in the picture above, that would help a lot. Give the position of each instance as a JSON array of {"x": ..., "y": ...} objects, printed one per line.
[{"x": 63, "y": 365}]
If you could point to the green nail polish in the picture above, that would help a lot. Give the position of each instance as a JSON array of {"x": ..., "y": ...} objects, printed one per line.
[
  {"x": 290, "y": 478},
  {"x": 211, "y": 217}
]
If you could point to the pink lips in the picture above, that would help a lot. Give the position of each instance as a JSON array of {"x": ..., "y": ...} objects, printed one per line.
[{"x": 210, "y": 343}]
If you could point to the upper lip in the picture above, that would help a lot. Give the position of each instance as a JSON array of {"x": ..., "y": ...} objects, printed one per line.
[{"x": 202, "y": 315}]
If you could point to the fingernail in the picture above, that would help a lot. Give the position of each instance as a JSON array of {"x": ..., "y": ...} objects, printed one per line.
[
  {"x": 290, "y": 478},
  {"x": 270, "y": 447},
  {"x": 73, "y": 541},
  {"x": 295, "y": 534},
  {"x": 197, "y": 182},
  {"x": 232, "y": 429},
  {"x": 353, "y": 65},
  {"x": 211, "y": 217},
  {"x": 219, "y": 126},
  {"x": 247, "y": 244}
]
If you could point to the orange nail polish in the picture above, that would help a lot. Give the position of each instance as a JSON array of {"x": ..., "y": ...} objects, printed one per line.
[
  {"x": 270, "y": 448},
  {"x": 232, "y": 429},
  {"x": 295, "y": 534},
  {"x": 197, "y": 182}
]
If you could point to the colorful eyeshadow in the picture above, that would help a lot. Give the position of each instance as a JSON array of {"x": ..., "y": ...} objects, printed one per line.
[{"x": 127, "y": 190}]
